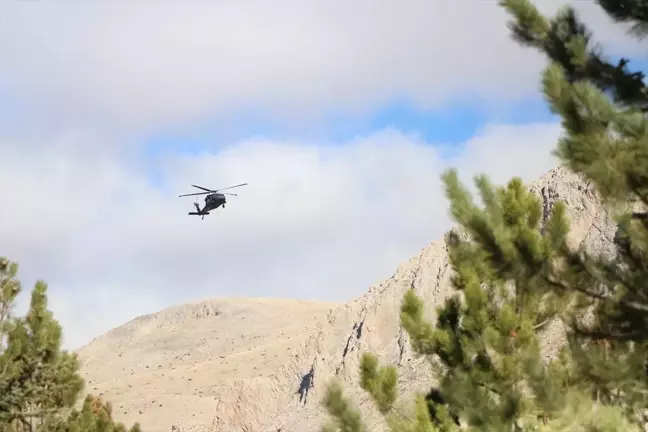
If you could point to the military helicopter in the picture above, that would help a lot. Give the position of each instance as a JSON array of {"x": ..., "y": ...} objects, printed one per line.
[{"x": 214, "y": 199}]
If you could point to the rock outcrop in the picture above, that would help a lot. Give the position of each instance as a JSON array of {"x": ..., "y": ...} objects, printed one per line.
[{"x": 263, "y": 365}]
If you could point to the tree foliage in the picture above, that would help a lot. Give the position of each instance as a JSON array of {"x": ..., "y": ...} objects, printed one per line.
[
  {"x": 515, "y": 272},
  {"x": 95, "y": 416},
  {"x": 605, "y": 139},
  {"x": 39, "y": 381}
]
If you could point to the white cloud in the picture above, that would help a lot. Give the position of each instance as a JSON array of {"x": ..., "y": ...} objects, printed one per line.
[
  {"x": 319, "y": 222},
  {"x": 138, "y": 64}
]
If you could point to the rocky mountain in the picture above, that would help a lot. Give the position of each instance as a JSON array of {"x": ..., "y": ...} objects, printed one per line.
[{"x": 262, "y": 365}]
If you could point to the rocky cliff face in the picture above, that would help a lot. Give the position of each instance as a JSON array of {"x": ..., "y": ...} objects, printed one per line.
[{"x": 221, "y": 365}]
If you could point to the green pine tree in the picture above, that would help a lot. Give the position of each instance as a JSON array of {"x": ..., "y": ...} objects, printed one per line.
[
  {"x": 484, "y": 344},
  {"x": 95, "y": 416},
  {"x": 39, "y": 382},
  {"x": 516, "y": 272},
  {"x": 602, "y": 106}
]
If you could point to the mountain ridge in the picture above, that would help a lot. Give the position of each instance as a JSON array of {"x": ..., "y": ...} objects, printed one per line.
[{"x": 326, "y": 341}]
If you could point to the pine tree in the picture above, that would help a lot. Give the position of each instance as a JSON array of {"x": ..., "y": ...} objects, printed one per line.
[
  {"x": 95, "y": 416},
  {"x": 484, "y": 345},
  {"x": 516, "y": 272},
  {"x": 605, "y": 139},
  {"x": 39, "y": 382}
]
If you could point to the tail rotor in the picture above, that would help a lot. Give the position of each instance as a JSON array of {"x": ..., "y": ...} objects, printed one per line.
[{"x": 198, "y": 211}]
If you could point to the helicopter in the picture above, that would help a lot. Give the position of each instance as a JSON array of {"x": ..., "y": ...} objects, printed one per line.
[{"x": 214, "y": 199}]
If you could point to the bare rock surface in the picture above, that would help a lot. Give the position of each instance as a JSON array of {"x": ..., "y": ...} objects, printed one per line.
[
  {"x": 193, "y": 367},
  {"x": 262, "y": 365}
]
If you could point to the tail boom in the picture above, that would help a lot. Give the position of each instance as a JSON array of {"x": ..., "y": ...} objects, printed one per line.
[{"x": 198, "y": 212}]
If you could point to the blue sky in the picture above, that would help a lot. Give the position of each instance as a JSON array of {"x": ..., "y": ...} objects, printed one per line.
[{"x": 450, "y": 124}]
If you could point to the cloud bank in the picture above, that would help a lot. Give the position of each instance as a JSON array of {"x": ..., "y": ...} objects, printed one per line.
[
  {"x": 315, "y": 221},
  {"x": 136, "y": 65}
]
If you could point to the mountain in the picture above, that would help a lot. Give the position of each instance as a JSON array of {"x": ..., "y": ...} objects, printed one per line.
[{"x": 262, "y": 365}]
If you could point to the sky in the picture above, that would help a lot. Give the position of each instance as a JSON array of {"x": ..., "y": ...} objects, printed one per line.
[{"x": 340, "y": 116}]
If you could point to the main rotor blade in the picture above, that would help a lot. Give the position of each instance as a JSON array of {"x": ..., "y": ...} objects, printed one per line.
[
  {"x": 200, "y": 187},
  {"x": 242, "y": 184},
  {"x": 192, "y": 194},
  {"x": 225, "y": 193}
]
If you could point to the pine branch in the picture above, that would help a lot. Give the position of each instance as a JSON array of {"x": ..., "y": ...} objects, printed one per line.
[
  {"x": 628, "y": 11},
  {"x": 598, "y": 335},
  {"x": 557, "y": 39},
  {"x": 561, "y": 286},
  {"x": 542, "y": 323}
]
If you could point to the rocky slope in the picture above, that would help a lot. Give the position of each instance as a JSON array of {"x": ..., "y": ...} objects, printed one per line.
[
  {"x": 221, "y": 366},
  {"x": 187, "y": 366}
]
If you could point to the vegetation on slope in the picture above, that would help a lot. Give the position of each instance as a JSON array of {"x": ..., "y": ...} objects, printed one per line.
[
  {"x": 39, "y": 382},
  {"x": 515, "y": 272}
]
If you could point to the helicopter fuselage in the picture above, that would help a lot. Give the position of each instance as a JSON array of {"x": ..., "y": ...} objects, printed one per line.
[{"x": 213, "y": 201}]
